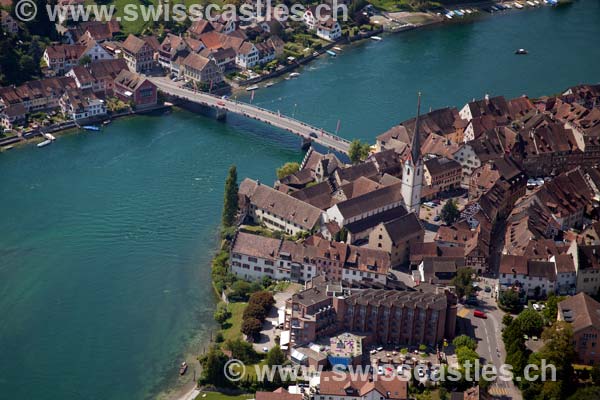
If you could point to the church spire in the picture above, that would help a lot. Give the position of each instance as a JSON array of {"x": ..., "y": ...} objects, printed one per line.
[{"x": 415, "y": 146}]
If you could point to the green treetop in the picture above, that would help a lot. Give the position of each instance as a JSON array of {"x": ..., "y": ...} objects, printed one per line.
[{"x": 230, "y": 201}]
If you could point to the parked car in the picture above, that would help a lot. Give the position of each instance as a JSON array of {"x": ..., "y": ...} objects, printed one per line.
[
  {"x": 436, "y": 218},
  {"x": 487, "y": 289}
]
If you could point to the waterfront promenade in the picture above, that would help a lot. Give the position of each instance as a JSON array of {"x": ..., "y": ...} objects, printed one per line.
[{"x": 276, "y": 119}]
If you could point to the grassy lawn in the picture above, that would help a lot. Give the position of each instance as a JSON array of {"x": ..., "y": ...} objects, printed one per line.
[
  {"x": 223, "y": 396},
  {"x": 234, "y": 323},
  {"x": 391, "y": 5}
]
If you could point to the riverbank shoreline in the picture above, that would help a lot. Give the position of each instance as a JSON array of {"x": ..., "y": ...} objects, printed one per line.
[
  {"x": 74, "y": 127},
  {"x": 432, "y": 21}
]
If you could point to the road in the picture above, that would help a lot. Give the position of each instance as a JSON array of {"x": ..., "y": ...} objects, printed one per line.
[
  {"x": 275, "y": 119},
  {"x": 490, "y": 345}
]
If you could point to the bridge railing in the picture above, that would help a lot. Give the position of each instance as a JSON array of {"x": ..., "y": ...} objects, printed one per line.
[{"x": 271, "y": 112}]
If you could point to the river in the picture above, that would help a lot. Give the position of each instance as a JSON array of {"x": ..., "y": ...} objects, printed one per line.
[{"x": 107, "y": 237}]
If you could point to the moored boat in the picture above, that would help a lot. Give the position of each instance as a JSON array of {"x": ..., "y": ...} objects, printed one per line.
[
  {"x": 183, "y": 368},
  {"x": 44, "y": 143},
  {"x": 91, "y": 128},
  {"x": 331, "y": 53},
  {"x": 269, "y": 84},
  {"x": 377, "y": 38},
  {"x": 294, "y": 74},
  {"x": 337, "y": 48},
  {"x": 251, "y": 88}
]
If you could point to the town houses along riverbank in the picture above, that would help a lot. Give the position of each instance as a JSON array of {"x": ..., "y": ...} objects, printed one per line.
[{"x": 107, "y": 244}]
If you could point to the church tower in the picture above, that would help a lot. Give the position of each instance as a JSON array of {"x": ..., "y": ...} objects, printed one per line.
[{"x": 412, "y": 175}]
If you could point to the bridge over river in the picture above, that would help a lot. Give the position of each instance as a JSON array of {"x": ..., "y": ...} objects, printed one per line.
[{"x": 307, "y": 132}]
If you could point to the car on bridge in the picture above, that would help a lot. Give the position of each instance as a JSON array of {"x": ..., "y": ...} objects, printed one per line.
[{"x": 313, "y": 135}]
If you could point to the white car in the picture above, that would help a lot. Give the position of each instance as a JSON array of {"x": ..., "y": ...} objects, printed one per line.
[
  {"x": 380, "y": 370},
  {"x": 400, "y": 370},
  {"x": 536, "y": 307},
  {"x": 421, "y": 373}
]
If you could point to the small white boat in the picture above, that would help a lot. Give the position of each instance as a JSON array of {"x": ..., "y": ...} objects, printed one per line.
[
  {"x": 251, "y": 88},
  {"x": 269, "y": 84},
  {"x": 448, "y": 16},
  {"x": 44, "y": 143},
  {"x": 518, "y": 5},
  {"x": 507, "y": 5},
  {"x": 337, "y": 48},
  {"x": 377, "y": 38},
  {"x": 468, "y": 11},
  {"x": 530, "y": 3},
  {"x": 49, "y": 136},
  {"x": 294, "y": 74},
  {"x": 536, "y": 2}
]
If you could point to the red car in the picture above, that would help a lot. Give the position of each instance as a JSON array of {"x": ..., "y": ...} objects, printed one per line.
[{"x": 479, "y": 314}]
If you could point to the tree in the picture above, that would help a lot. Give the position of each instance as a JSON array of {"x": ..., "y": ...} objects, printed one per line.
[
  {"x": 465, "y": 341},
  {"x": 450, "y": 212},
  {"x": 463, "y": 281},
  {"x": 242, "y": 350},
  {"x": 275, "y": 356},
  {"x": 256, "y": 311},
  {"x": 558, "y": 350},
  {"x": 263, "y": 299},
  {"x": 251, "y": 327},
  {"x": 507, "y": 319},
  {"x": 595, "y": 375},
  {"x": 551, "y": 310},
  {"x": 358, "y": 151},
  {"x": 588, "y": 393},
  {"x": 531, "y": 322},
  {"x": 212, "y": 368},
  {"x": 222, "y": 314},
  {"x": 240, "y": 291},
  {"x": 230, "y": 202},
  {"x": 509, "y": 301},
  {"x": 286, "y": 169}
]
